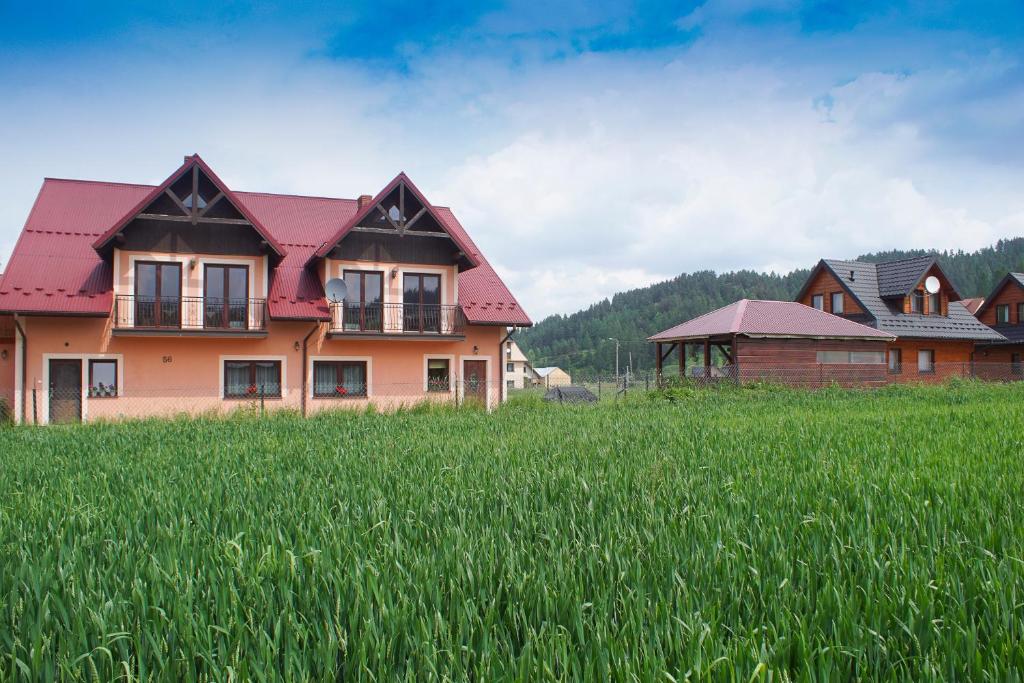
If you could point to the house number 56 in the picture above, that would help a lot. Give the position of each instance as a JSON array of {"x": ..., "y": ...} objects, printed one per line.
[{"x": 168, "y": 359}]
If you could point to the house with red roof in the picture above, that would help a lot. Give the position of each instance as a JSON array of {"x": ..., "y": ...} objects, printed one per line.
[{"x": 127, "y": 300}]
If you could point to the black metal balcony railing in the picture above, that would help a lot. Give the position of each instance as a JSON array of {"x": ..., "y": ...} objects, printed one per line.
[
  {"x": 189, "y": 313},
  {"x": 397, "y": 319}
]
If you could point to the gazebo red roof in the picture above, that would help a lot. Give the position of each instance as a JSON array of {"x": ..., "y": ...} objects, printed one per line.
[{"x": 758, "y": 318}]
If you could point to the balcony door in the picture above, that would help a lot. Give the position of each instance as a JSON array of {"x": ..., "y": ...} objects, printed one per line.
[
  {"x": 364, "y": 305},
  {"x": 226, "y": 297},
  {"x": 157, "y": 294},
  {"x": 421, "y": 296}
]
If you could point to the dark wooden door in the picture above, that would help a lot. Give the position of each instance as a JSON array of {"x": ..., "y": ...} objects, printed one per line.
[
  {"x": 65, "y": 391},
  {"x": 474, "y": 381}
]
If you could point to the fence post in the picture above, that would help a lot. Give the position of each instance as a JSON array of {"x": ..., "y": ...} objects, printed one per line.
[
  {"x": 262, "y": 394},
  {"x": 35, "y": 402},
  {"x": 647, "y": 382},
  {"x": 598, "y": 388}
]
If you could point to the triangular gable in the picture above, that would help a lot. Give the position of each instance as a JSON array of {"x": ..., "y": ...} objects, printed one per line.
[
  {"x": 193, "y": 193},
  {"x": 946, "y": 284},
  {"x": 824, "y": 265},
  {"x": 1010, "y": 278},
  {"x": 399, "y": 209}
]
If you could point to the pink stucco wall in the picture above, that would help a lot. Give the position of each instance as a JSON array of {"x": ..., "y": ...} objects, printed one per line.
[{"x": 167, "y": 375}]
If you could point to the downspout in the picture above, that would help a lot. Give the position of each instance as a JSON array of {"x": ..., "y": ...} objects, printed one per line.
[
  {"x": 305, "y": 353},
  {"x": 24, "y": 365},
  {"x": 501, "y": 366}
]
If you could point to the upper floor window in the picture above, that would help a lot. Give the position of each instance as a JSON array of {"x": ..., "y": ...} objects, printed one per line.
[
  {"x": 837, "y": 303},
  {"x": 917, "y": 302},
  {"x": 1003, "y": 313},
  {"x": 934, "y": 304},
  {"x": 818, "y": 301}
]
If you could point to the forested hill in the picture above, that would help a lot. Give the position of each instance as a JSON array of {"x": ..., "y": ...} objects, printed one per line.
[{"x": 579, "y": 342}]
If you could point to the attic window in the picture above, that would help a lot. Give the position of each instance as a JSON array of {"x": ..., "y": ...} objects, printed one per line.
[
  {"x": 394, "y": 214},
  {"x": 188, "y": 201}
]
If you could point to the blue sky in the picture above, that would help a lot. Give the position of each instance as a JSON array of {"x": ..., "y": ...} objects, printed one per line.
[{"x": 589, "y": 147}]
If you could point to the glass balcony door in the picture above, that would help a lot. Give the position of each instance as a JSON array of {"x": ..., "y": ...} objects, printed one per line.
[
  {"x": 421, "y": 296},
  {"x": 157, "y": 294},
  {"x": 226, "y": 297},
  {"x": 364, "y": 305}
]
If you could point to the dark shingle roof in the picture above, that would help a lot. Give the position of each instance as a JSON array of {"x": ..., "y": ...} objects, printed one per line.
[
  {"x": 898, "y": 278},
  {"x": 888, "y": 316},
  {"x": 1012, "y": 334}
]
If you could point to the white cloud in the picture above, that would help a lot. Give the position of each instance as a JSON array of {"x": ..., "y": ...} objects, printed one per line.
[{"x": 579, "y": 178}]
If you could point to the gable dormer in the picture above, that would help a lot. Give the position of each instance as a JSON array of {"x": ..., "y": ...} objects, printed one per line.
[
  {"x": 399, "y": 225},
  {"x": 917, "y": 299},
  {"x": 192, "y": 211}
]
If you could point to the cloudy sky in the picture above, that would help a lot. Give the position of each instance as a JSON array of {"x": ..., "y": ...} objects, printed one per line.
[{"x": 589, "y": 147}]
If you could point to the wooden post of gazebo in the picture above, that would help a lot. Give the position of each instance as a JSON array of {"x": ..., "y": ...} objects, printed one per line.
[{"x": 707, "y": 356}]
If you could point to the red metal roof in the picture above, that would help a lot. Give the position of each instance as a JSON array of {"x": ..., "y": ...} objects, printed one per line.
[
  {"x": 756, "y": 318},
  {"x": 973, "y": 304},
  {"x": 55, "y": 268}
]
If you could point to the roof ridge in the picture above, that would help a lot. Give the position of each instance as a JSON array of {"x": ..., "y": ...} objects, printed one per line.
[
  {"x": 296, "y": 196},
  {"x": 737, "y": 318},
  {"x": 96, "y": 182}
]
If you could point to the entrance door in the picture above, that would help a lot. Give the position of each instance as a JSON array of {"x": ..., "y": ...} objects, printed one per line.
[
  {"x": 474, "y": 381},
  {"x": 65, "y": 390}
]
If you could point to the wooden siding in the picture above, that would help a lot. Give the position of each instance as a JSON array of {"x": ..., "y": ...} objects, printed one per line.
[
  {"x": 952, "y": 359},
  {"x": 172, "y": 237},
  {"x": 1011, "y": 294},
  {"x": 379, "y": 248},
  {"x": 795, "y": 361},
  {"x": 825, "y": 283}
]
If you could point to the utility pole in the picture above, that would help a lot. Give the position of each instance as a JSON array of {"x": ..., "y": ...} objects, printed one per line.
[{"x": 616, "y": 358}]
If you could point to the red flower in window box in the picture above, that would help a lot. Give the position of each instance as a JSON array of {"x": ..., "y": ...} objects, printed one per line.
[
  {"x": 252, "y": 389},
  {"x": 341, "y": 390}
]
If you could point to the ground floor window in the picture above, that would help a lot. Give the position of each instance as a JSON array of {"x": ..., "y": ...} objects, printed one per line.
[
  {"x": 926, "y": 361},
  {"x": 252, "y": 378},
  {"x": 895, "y": 362},
  {"x": 851, "y": 357},
  {"x": 1015, "y": 366},
  {"x": 102, "y": 378},
  {"x": 439, "y": 375},
  {"x": 339, "y": 379}
]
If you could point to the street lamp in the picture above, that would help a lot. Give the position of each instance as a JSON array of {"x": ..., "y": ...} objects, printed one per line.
[{"x": 616, "y": 357}]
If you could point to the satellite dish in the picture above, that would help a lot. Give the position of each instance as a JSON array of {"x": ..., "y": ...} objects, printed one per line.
[
  {"x": 336, "y": 289},
  {"x": 931, "y": 284}
]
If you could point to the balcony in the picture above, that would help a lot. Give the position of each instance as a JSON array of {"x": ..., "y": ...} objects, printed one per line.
[
  {"x": 405, "y": 321},
  {"x": 189, "y": 316}
]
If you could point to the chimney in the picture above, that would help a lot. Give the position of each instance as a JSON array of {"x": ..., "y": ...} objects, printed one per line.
[
  {"x": 851, "y": 276},
  {"x": 363, "y": 201}
]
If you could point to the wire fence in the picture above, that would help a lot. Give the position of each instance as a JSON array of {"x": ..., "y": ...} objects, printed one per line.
[
  {"x": 86, "y": 404},
  {"x": 112, "y": 403},
  {"x": 810, "y": 376}
]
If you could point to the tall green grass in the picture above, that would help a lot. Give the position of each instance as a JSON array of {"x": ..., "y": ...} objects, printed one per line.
[{"x": 741, "y": 535}]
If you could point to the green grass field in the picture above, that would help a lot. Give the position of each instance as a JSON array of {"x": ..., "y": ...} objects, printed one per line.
[{"x": 742, "y": 534}]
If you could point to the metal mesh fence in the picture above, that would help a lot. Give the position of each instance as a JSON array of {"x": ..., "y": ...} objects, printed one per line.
[
  {"x": 43, "y": 406},
  {"x": 51, "y": 405}
]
